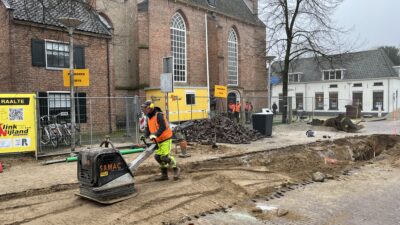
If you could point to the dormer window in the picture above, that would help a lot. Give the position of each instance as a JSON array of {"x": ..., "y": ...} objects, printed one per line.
[
  {"x": 211, "y": 2},
  {"x": 294, "y": 77},
  {"x": 332, "y": 74}
]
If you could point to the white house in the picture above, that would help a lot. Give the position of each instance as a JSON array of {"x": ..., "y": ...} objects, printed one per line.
[{"x": 368, "y": 79}]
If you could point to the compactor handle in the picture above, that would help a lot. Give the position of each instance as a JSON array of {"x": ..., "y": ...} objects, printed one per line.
[
  {"x": 148, "y": 144},
  {"x": 107, "y": 142}
]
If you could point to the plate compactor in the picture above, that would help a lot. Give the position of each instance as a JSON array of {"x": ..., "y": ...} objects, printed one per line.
[{"x": 105, "y": 177}]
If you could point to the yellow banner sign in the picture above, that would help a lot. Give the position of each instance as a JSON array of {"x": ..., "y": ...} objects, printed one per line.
[
  {"x": 17, "y": 123},
  {"x": 81, "y": 77},
  {"x": 220, "y": 91}
]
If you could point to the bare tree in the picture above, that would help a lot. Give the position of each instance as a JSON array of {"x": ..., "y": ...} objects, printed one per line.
[{"x": 298, "y": 28}]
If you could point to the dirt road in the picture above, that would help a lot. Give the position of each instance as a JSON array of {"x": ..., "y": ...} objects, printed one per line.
[
  {"x": 208, "y": 184},
  {"x": 367, "y": 195}
]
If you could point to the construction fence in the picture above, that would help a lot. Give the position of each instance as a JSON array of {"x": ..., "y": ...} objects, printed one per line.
[
  {"x": 95, "y": 118},
  {"x": 308, "y": 108},
  {"x": 120, "y": 118}
]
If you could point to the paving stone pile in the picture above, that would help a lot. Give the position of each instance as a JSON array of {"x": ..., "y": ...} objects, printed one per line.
[
  {"x": 219, "y": 129},
  {"x": 343, "y": 123}
]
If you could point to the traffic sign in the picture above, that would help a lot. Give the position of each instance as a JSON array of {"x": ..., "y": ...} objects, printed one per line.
[
  {"x": 81, "y": 77},
  {"x": 220, "y": 91}
]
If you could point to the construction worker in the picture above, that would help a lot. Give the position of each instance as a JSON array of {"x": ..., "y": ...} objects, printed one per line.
[
  {"x": 248, "y": 108},
  {"x": 237, "y": 111},
  {"x": 274, "y": 108},
  {"x": 231, "y": 110},
  {"x": 158, "y": 130}
]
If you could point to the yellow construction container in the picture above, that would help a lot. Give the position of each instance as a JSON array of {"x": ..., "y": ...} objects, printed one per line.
[{"x": 185, "y": 103}]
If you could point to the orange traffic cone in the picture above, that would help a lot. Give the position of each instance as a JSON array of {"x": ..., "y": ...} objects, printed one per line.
[{"x": 1, "y": 167}]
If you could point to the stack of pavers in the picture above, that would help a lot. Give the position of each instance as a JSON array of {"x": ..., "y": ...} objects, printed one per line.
[{"x": 220, "y": 129}]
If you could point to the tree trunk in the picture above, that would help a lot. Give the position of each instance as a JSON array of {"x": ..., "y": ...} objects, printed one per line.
[{"x": 285, "y": 83}]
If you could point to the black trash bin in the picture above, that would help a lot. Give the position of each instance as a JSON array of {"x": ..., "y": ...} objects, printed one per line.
[{"x": 262, "y": 122}]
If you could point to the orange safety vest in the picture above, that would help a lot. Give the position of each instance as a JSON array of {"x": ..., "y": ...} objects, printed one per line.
[
  {"x": 237, "y": 107},
  {"x": 153, "y": 127}
]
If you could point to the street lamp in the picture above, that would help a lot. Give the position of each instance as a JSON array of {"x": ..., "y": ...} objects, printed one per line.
[
  {"x": 270, "y": 59},
  {"x": 71, "y": 23}
]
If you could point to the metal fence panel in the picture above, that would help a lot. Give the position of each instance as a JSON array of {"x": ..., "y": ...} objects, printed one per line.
[
  {"x": 96, "y": 117},
  {"x": 120, "y": 118}
]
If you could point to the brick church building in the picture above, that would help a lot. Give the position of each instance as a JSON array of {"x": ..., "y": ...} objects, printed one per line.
[{"x": 213, "y": 42}]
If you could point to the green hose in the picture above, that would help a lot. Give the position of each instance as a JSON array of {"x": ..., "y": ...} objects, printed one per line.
[{"x": 130, "y": 151}]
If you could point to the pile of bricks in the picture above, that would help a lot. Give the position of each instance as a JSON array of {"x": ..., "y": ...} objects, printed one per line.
[{"x": 220, "y": 129}]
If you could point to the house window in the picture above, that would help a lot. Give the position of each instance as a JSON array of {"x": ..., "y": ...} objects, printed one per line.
[
  {"x": 57, "y": 54},
  {"x": 358, "y": 100},
  {"x": 299, "y": 101},
  {"x": 377, "y": 100},
  {"x": 294, "y": 77},
  {"x": 190, "y": 98},
  {"x": 319, "y": 101},
  {"x": 357, "y": 85},
  {"x": 333, "y": 101},
  {"x": 332, "y": 74},
  {"x": 333, "y": 86},
  {"x": 211, "y": 2},
  {"x": 58, "y": 102},
  {"x": 232, "y": 58},
  {"x": 378, "y": 84},
  {"x": 53, "y": 103},
  {"x": 178, "y": 47}
]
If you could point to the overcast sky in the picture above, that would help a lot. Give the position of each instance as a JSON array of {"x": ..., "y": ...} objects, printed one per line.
[{"x": 374, "y": 22}]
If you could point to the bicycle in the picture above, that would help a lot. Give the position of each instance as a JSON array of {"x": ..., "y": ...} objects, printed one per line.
[
  {"x": 67, "y": 127},
  {"x": 47, "y": 132},
  {"x": 64, "y": 130},
  {"x": 300, "y": 115},
  {"x": 64, "y": 135}
]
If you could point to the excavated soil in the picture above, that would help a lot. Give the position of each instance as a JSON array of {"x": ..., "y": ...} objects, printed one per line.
[{"x": 206, "y": 186}]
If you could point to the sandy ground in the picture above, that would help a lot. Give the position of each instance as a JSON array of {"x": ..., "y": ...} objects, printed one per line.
[
  {"x": 212, "y": 179},
  {"x": 366, "y": 195}
]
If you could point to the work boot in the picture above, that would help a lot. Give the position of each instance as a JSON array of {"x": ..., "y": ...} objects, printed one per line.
[
  {"x": 164, "y": 175},
  {"x": 177, "y": 172}
]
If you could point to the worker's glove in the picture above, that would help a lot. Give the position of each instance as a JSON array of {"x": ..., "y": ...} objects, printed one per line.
[
  {"x": 142, "y": 138},
  {"x": 152, "y": 136}
]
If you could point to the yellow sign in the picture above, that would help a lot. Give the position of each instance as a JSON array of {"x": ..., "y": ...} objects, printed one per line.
[
  {"x": 175, "y": 98},
  {"x": 17, "y": 123},
  {"x": 81, "y": 77},
  {"x": 220, "y": 91}
]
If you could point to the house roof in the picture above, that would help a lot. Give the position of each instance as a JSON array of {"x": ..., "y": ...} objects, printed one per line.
[
  {"x": 48, "y": 12},
  {"x": 234, "y": 8},
  {"x": 356, "y": 65}
]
